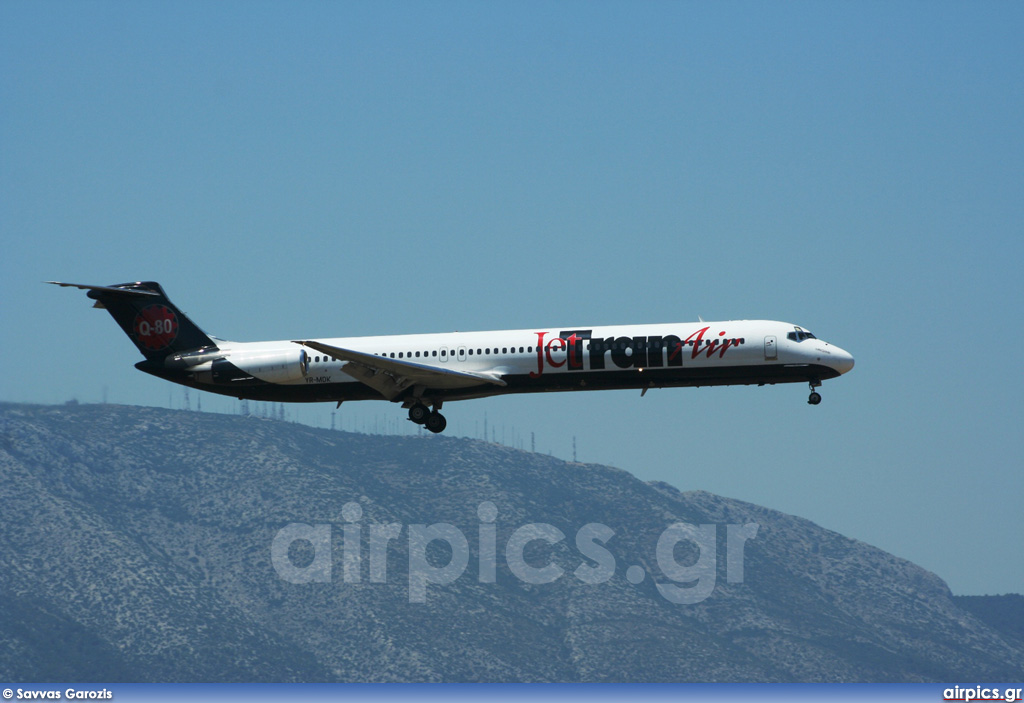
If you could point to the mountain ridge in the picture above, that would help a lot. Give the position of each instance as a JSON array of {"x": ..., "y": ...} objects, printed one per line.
[{"x": 147, "y": 537}]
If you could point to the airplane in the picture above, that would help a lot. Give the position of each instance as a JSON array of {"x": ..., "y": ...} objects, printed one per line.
[{"x": 423, "y": 371}]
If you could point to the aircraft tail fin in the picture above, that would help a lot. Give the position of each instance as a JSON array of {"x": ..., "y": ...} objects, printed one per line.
[{"x": 150, "y": 320}]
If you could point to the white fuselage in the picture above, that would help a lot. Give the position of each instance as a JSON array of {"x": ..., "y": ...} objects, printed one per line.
[{"x": 695, "y": 353}]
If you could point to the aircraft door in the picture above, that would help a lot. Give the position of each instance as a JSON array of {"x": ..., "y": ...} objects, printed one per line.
[
  {"x": 443, "y": 353},
  {"x": 771, "y": 348},
  {"x": 462, "y": 354}
]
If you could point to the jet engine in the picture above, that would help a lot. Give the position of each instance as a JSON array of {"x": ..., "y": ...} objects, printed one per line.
[
  {"x": 273, "y": 366},
  {"x": 254, "y": 367}
]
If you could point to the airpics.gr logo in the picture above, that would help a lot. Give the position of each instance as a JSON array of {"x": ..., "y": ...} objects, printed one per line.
[
  {"x": 686, "y": 556},
  {"x": 156, "y": 326}
]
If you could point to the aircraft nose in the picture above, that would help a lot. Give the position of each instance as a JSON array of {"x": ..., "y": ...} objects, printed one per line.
[{"x": 842, "y": 360}]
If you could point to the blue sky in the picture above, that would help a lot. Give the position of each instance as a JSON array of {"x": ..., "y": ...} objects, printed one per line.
[{"x": 325, "y": 169}]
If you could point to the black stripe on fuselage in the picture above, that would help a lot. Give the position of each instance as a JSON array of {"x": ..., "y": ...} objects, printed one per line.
[{"x": 626, "y": 379}]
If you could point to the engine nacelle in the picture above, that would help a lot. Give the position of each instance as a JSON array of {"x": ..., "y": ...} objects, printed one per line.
[
  {"x": 252, "y": 368},
  {"x": 273, "y": 366}
]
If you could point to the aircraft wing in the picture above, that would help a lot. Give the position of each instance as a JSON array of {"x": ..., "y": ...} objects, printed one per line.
[{"x": 392, "y": 376}]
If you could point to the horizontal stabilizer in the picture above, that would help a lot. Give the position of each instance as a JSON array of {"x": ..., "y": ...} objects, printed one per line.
[{"x": 107, "y": 289}]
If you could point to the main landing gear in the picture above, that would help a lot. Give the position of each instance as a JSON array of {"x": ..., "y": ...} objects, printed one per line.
[
  {"x": 814, "y": 398},
  {"x": 432, "y": 420}
]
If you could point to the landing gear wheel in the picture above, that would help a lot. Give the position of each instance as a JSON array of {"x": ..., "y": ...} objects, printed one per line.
[
  {"x": 435, "y": 422},
  {"x": 419, "y": 413},
  {"x": 815, "y": 397}
]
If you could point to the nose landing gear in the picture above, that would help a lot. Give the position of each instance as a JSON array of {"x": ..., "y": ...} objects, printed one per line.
[{"x": 814, "y": 398}]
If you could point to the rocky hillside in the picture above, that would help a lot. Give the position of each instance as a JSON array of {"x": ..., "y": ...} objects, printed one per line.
[
  {"x": 1004, "y": 613},
  {"x": 141, "y": 544}
]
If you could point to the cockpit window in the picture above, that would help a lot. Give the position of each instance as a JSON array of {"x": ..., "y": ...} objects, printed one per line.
[{"x": 800, "y": 335}]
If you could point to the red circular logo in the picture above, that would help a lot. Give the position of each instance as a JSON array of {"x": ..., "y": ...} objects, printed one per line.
[{"x": 156, "y": 327}]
